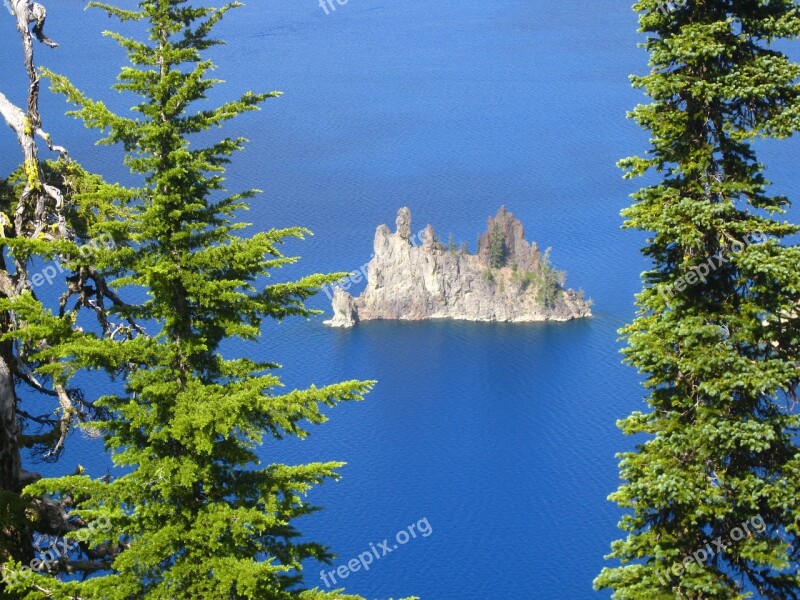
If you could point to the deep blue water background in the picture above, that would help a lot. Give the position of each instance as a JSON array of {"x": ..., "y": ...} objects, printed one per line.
[{"x": 502, "y": 436}]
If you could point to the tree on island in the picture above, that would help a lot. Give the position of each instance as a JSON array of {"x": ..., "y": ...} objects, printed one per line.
[
  {"x": 549, "y": 281},
  {"x": 195, "y": 516},
  {"x": 497, "y": 248},
  {"x": 717, "y": 334}
]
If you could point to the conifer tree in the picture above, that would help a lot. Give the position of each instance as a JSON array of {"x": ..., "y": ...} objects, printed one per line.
[
  {"x": 712, "y": 497},
  {"x": 497, "y": 248},
  {"x": 196, "y": 516}
]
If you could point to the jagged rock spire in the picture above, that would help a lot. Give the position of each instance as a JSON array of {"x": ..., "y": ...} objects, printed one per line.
[
  {"x": 403, "y": 223},
  {"x": 519, "y": 251}
]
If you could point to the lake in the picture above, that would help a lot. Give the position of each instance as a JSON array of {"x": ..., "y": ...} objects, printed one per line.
[{"x": 500, "y": 437}]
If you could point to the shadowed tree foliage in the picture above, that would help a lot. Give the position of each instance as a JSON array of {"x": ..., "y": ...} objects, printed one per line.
[{"x": 718, "y": 328}]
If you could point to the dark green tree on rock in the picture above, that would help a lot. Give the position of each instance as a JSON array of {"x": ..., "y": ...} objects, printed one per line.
[{"x": 497, "y": 248}]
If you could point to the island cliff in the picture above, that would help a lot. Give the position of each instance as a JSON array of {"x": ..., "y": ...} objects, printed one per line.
[{"x": 508, "y": 279}]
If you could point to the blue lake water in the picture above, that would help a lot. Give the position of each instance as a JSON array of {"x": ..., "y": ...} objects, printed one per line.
[{"x": 501, "y": 436}]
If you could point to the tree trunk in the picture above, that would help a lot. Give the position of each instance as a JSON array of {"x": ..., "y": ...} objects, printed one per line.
[
  {"x": 12, "y": 530},
  {"x": 30, "y": 220}
]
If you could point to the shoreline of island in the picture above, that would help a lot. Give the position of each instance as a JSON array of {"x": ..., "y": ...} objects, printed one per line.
[{"x": 507, "y": 280}]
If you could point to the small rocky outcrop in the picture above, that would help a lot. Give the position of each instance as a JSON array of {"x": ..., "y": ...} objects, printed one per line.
[{"x": 508, "y": 279}]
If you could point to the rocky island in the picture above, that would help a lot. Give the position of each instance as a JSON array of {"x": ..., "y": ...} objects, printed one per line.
[{"x": 508, "y": 279}]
